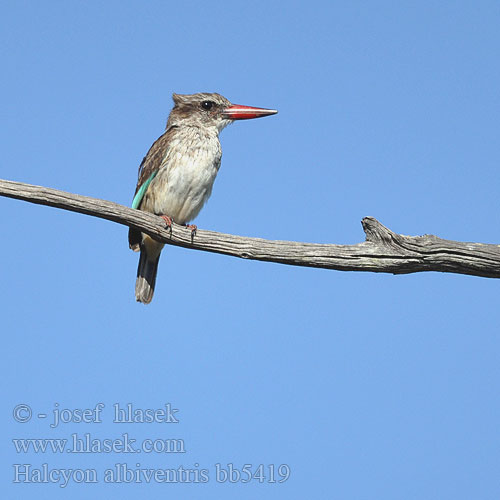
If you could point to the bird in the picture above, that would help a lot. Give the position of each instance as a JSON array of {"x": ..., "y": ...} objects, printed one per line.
[{"x": 176, "y": 176}]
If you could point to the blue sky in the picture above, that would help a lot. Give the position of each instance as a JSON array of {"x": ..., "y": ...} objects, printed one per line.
[{"x": 366, "y": 386}]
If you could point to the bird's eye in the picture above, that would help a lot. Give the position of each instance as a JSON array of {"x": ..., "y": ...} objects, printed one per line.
[{"x": 207, "y": 105}]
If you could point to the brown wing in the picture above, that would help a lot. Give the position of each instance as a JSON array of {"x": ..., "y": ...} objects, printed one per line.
[
  {"x": 152, "y": 161},
  {"x": 150, "y": 164}
]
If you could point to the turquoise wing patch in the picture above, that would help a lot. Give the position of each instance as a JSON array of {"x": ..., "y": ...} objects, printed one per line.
[{"x": 140, "y": 194}]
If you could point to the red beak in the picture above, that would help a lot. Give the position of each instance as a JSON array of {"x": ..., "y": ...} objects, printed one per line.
[{"x": 239, "y": 112}]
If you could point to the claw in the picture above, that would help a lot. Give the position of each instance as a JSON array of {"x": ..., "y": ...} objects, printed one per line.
[
  {"x": 193, "y": 228},
  {"x": 168, "y": 221}
]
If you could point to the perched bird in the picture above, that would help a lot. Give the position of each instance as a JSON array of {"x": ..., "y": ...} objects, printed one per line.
[{"x": 177, "y": 174}]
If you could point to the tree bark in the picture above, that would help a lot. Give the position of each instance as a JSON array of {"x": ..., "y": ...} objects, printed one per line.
[{"x": 383, "y": 251}]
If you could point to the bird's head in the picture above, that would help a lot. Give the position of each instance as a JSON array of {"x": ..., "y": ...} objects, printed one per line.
[{"x": 210, "y": 111}]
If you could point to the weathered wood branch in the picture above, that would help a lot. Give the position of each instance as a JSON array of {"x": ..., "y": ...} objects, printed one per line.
[{"x": 383, "y": 251}]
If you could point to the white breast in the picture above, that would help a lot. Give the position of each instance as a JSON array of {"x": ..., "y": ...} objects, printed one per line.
[{"x": 185, "y": 179}]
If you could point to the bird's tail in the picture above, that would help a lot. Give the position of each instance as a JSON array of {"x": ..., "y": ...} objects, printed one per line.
[{"x": 147, "y": 269}]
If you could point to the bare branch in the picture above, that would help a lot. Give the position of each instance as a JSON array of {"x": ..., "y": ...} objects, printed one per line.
[{"x": 382, "y": 252}]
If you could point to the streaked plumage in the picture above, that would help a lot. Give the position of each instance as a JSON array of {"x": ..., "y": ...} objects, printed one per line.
[{"x": 177, "y": 174}]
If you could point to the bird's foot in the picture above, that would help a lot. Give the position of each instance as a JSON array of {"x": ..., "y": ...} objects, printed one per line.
[
  {"x": 168, "y": 221},
  {"x": 193, "y": 228}
]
